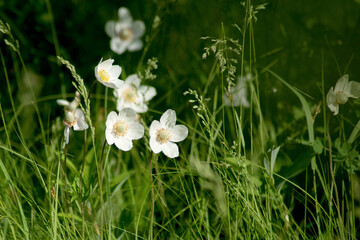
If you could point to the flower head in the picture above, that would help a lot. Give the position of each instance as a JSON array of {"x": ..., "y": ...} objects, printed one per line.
[
  {"x": 133, "y": 95},
  {"x": 108, "y": 74},
  {"x": 164, "y": 134},
  {"x": 125, "y": 33},
  {"x": 239, "y": 93},
  {"x": 341, "y": 93},
  {"x": 121, "y": 129},
  {"x": 74, "y": 118}
]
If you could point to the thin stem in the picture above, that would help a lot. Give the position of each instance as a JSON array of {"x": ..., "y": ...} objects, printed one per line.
[
  {"x": 337, "y": 203},
  {"x": 91, "y": 88},
  {"x": 81, "y": 180},
  {"x": 101, "y": 192},
  {"x": 152, "y": 197}
]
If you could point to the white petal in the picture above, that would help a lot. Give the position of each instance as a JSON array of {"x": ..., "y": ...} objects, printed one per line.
[
  {"x": 352, "y": 89},
  {"x": 341, "y": 83},
  {"x": 168, "y": 119},
  {"x": 115, "y": 83},
  {"x": 128, "y": 114},
  {"x": 106, "y": 64},
  {"x": 136, "y": 130},
  {"x": 80, "y": 121},
  {"x": 170, "y": 149},
  {"x": 120, "y": 105},
  {"x": 110, "y": 28},
  {"x": 179, "y": 133},
  {"x": 334, "y": 108},
  {"x": 124, "y": 15},
  {"x": 111, "y": 119},
  {"x": 118, "y": 46},
  {"x": 133, "y": 79},
  {"x": 110, "y": 138},
  {"x": 62, "y": 102},
  {"x": 135, "y": 45},
  {"x": 331, "y": 97},
  {"x": 139, "y": 107},
  {"x": 155, "y": 125},
  {"x": 138, "y": 28},
  {"x": 115, "y": 71},
  {"x": 155, "y": 145},
  {"x": 66, "y": 134},
  {"x": 123, "y": 143},
  {"x": 148, "y": 92}
]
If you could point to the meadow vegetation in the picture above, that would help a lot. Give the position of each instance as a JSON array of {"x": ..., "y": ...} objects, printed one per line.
[{"x": 179, "y": 119}]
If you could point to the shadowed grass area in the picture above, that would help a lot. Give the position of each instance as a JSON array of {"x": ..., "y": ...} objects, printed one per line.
[{"x": 277, "y": 165}]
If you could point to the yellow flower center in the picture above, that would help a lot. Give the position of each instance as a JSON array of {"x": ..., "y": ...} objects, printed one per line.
[
  {"x": 130, "y": 94},
  {"x": 163, "y": 135},
  {"x": 120, "y": 128},
  {"x": 341, "y": 98},
  {"x": 104, "y": 75},
  {"x": 126, "y": 34}
]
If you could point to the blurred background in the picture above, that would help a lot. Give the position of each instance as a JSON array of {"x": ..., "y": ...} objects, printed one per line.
[{"x": 295, "y": 38}]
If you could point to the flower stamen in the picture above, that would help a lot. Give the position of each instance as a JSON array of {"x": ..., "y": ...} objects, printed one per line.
[
  {"x": 126, "y": 34},
  {"x": 129, "y": 95},
  {"x": 163, "y": 135},
  {"x": 105, "y": 76},
  {"x": 120, "y": 128}
]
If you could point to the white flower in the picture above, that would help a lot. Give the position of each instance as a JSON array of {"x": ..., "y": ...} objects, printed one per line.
[
  {"x": 165, "y": 133},
  {"x": 121, "y": 129},
  {"x": 133, "y": 95},
  {"x": 70, "y": 106},
  {"x": 77, "y": 121},
  {"x": 342, "y": 92},
  {"x": 73, "y": 117},
  {"x": 239, "y": 93},
  {"x": 108, "y": 74},
  {"x": 125, "y": 33}
]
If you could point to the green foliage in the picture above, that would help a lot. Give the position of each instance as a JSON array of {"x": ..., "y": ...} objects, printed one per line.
[{"x": 284, "y": 168}]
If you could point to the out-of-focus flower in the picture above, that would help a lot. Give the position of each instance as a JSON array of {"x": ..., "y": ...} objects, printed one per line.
[
  {"x": 125, "y": 33},
  {"x": 77, "y": 121},
  {"x": 121, "y": 129},
  {"x": 239, "y": 93},
  {"x": 70, "y": 106},
  {"x": 165, "y": 133},
  {"x": 341, "y": 93},
  {"x": 108, "y": 74},
  {"x": 73, "y": 117},
  {"x": 133, "y": 95}
]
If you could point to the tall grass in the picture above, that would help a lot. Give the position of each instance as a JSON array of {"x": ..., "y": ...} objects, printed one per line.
[{"x": 237, "y": 177}]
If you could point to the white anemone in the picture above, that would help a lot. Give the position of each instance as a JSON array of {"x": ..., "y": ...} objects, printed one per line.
[
  {"x": 164, "y": 134},
  {"x": 341, "y": 93},
  {"x": 76, "y": 121},
  {"x": 121, "y": 129},
  {"x": 133, "y": 95},
  {"x": 239, "y": 93},
  {"x": 108, "y": 74},
  {"x": 125, "y": 33}
]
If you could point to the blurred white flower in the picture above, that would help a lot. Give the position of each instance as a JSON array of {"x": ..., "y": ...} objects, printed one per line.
[
  {"x": 341, "y": 93},
  {"x": 70, "y": 106},
  {"x": 108, "y": 74},
  {"x": 125, "y": 33},
  {"x": 121, "y": 129},
  {"x": 239, "y": 93},
  {"x": 73, "y": 117},
  {"x": 165, "y": 133},
  {"x": 77, "y": 121},
  {"x": 133, "y": 95}
]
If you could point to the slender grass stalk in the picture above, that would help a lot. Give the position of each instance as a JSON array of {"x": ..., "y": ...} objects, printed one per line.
[{"x": 337, "y": 202}]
